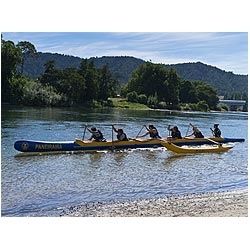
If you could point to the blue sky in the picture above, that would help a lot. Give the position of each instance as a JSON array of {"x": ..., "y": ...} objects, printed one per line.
[{"x": 227, "y": 51}]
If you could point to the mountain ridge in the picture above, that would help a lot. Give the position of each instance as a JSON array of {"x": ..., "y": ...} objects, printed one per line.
[{"x": 225, "y": 82}]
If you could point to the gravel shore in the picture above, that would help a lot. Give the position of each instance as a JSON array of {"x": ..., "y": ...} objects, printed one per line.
[{"x": 212, "y": 204}]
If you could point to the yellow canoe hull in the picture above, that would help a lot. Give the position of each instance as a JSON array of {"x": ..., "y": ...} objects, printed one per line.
[
  {"x": 181, "y": 150},
  {"x": 135, "y": 143}
]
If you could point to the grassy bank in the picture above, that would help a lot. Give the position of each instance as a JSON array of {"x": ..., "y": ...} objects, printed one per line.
[{"x": 123, "y": 103}]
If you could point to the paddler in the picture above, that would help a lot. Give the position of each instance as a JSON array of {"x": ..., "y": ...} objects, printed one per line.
[
  {"x": 121, "y": 136},
  {"x": 151, "y": 131},
  {"x": 96, "y": 135},
  {"x": 175, "y": 133},
  {"x": 196, "y": 132},
  {"x": 216, "y": 131}
]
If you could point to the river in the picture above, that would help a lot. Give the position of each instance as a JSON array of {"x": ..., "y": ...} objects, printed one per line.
[{"x": 46, "y": 185}]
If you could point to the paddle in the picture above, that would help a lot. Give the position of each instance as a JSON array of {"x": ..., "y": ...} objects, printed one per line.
[
  {"x": 140, "y": 130},
  {"x": 215, "y": 142},
  {"x": 212, "y": 131},
  {"x": 112, "y": 137},
  {"x": 84, "y": 132},
  {"x": 188, "y": 129}
]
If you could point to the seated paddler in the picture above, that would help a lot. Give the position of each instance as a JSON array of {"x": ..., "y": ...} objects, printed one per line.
[
  {"x": 216, "y": 131},
  {"x": 196, "y": 132},
  {"x": 96, "y": 135},
  {"x": 151, "y": 131},
  {"x": 175, "y": 133},
  {"x": 121, "y": 136}
]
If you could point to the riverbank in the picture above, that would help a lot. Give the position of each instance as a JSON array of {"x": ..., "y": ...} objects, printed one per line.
[{"x": 212, "y": 204}]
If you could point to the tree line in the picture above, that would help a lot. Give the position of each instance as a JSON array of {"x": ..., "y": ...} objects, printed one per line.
[
  {"x": 150, "y": 84},
  {"x": 55, "y": 87},
  {"x": 158, "y": 87}
]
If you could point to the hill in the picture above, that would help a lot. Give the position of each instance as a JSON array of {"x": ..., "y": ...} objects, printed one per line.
[
  {"x": 224, "y": 82},
  {"x": 123, "y": 66}
]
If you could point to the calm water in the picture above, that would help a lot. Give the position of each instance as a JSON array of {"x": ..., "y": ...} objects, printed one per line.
[{"x": 44, "y": 185}]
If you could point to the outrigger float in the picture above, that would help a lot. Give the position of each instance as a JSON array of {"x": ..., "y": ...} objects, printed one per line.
[
  {"x": 195, "y": 150},
  {"x": 28, "y": 146}
]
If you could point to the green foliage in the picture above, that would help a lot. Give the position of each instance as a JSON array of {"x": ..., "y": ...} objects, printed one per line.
[
  {"x": 106, "y": 84},
  {"x": 52, "y": 75},
  {"x": 142, "y": 99},
  {"x": 11, "y": 56},
  {"x": 132, "y": 96},
  {"x": 83, "y": 85},
  {"x": 224, "y": 82},
  {"x": 28, "y": 50},
  {"x": 147, "y": 79},
  {"x": 202, "y": 106},
  {"x": 123, "y": 103},
  {"x": 188, "y": 92},
  {"x": 171, "y": 87},
  {"x": 90, "y": 81},
  {"x": 207, "y": 93},
  {"x": 72, "y": 85},
  {"x": 153, "y": 101},
  {"x": 36, "y": 94},
  {"x": 123, "y": 66},
  {"x": 162, "y": 105},
  {"x": 124, "y": 90}
]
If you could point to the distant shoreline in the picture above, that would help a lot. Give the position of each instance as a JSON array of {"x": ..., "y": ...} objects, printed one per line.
[{"x": 211, "y": 204}]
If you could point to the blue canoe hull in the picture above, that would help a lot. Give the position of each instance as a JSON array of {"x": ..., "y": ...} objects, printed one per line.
[{"x": 78, "y": 145}]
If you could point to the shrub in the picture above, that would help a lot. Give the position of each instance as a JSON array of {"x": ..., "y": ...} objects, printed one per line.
[
  {"x": 132, "y": 96},
  {"x": 36, "y": 94},
  {"x": 142, "y": 99},
  {"x": 153, "y": 101},
  {"x": 202, "y": 106},
  {"x": 162, "y": 105}
]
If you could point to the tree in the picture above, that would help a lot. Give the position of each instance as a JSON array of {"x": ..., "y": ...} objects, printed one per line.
[
  {"x": 91, "y": 79},
  {"x": 188, "y": 93},
  {"x": 11, "y": 56},
  {"x": 51, "y": 75},
  {"x": 132, "y": 96},
  {"x": 124, "y": 90},
  {"x": 73, "y": 85},
  {"x": 205, "y": 92},
  {"x": 28, "y": 50},
  {"x": 172, "y": 87},
  {"x": 147, "y": 79},
  {"x": 106, "y": 83}
]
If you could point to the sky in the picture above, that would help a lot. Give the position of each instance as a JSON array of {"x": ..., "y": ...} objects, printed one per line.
[
  {"x": 225, "y": 50},
  {"x": 187, "y": 31}
]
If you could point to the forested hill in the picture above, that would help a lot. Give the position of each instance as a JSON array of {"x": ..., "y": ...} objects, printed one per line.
[
  {"x": 123, "y": 66},
  {"x": 224, "y": 82}
]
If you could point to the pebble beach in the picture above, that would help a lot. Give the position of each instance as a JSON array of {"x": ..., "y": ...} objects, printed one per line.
[{"x": 211, "y": 204}]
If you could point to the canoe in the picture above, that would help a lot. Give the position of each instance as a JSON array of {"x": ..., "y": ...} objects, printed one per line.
[
  {"x": 187, "y": 150},
  {"x": 207, "y": 140},
  {"x": 79, "y": 145}
]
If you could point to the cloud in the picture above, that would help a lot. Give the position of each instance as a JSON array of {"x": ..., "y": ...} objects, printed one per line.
[{"x": 227, "y": 51}]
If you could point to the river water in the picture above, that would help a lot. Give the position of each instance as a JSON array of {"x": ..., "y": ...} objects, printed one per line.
[{"x": 46, "y": 185}]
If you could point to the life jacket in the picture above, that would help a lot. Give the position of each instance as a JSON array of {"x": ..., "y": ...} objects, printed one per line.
[
  {"x": 154, "y": 135},
  {"x": 198, "y": 134},
  {"x": 98, "y": 136},
  {"x": 176, "y": 134},
  {"x": 217, "y": 132},
  {"x": 122, "y": 137}
]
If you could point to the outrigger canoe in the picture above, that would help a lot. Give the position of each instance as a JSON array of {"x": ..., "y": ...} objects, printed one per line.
[
  {"x": 187, "y": 150},
  {"x": 85, "y": 146}
]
